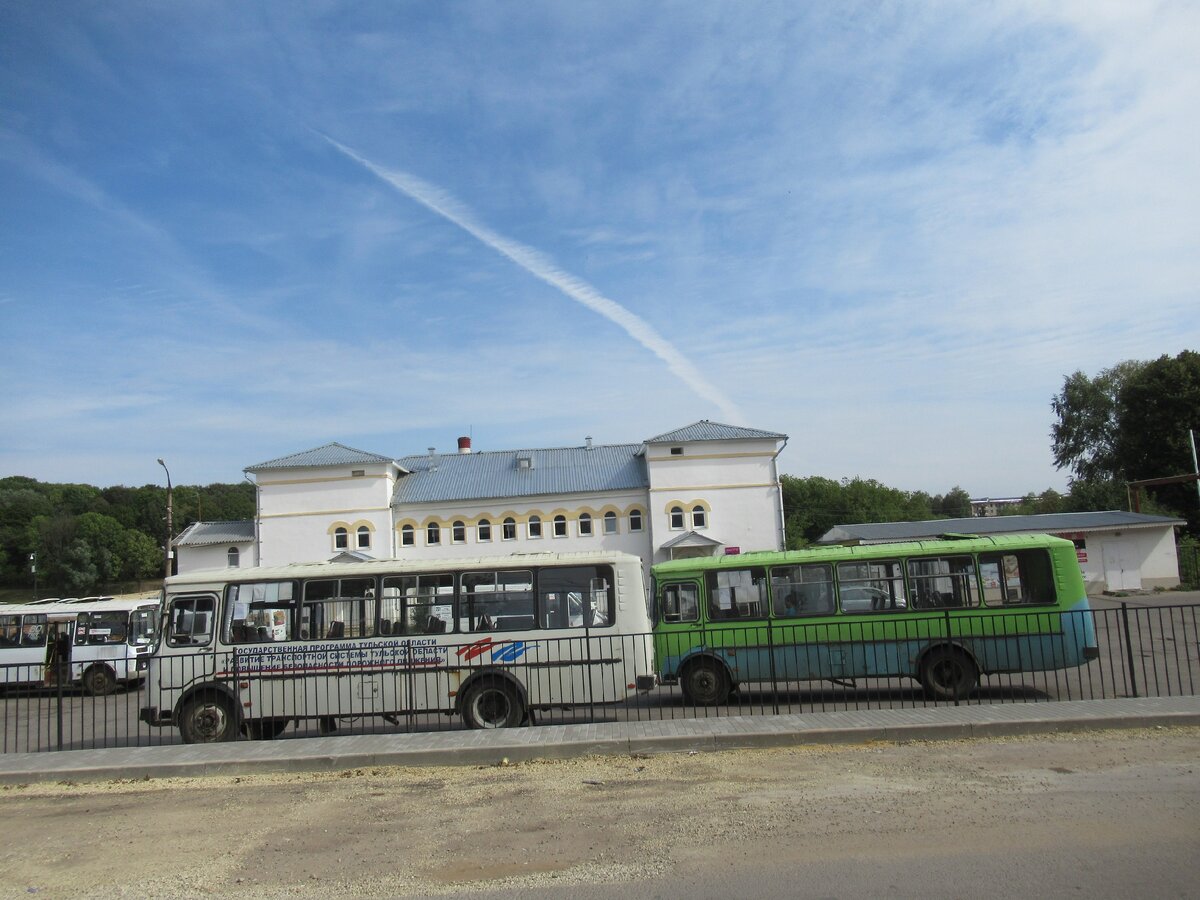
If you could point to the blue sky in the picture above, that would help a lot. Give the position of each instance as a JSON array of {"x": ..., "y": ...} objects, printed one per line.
[{"x": 235, "y": 231}]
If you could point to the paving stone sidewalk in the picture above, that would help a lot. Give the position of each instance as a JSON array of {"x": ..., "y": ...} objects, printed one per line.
[{"x": 608, "y": 739}]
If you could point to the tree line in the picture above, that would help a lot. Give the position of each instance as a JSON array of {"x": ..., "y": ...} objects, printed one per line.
[{"x": 87, "y": 539}]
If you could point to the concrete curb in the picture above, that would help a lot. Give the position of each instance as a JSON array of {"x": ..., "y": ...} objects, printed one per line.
[{"x": 486, "y": 748}]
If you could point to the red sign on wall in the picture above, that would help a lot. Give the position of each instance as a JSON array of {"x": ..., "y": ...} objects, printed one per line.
[{"x": 732, "y": 551}]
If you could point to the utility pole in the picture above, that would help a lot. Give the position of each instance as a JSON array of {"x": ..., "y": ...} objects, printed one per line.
[
  {"x": 168, "y": 554},
  {"x": 1195, "y": 466},
  {"x": 33, "y": 569}
]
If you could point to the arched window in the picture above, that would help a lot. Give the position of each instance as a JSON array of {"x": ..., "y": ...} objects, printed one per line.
[
  {"x": 585, "y": 524},
  {"x": 407, "y": 536},
  {"x": 364, "y": 537},
  {"x": 232, "y": 556},
  {"x": 635, "y": 520},
  {"x": 560, "y": 526},
  {"x": 677, "y": 518},
  {"x": 699, "y": 517},
  {"x": 458, "y": 533},
  {"x": 509, "y": 530},
  {"x": 433, "y": 534},
  {"x": 535, "y": 527},
  {"x": 610, "y": 523},
  {"x": 341, "y": 539},
  {"x": 485, "y": 530}
]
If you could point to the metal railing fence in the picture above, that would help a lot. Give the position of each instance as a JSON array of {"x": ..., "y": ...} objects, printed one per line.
[{"x": 1144, "y": 651}]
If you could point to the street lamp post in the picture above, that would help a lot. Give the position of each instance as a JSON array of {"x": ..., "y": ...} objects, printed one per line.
[{"x": 167, "y": 561}]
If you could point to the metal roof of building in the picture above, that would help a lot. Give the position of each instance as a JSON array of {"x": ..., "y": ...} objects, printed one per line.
[
  {"x": 499, "y": 473},
  {"x": 200, "y": 534},
  {"x": 1052, "y": 523},
  {"x": 332, "y": 454},
  {"x": 705, "y": 430}
]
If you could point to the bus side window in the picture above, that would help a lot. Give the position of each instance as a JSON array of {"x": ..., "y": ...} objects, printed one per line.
[
  {"x": 680, "y": 603},
  {"x": 1017, "y": 577}
]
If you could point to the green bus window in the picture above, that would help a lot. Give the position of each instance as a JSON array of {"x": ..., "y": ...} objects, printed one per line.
[
  {"x": 680, "y": 603},
  {"x": 1019, "y": 577},
  {"x": 737, "y": 594},
  {"x": 944, "y": 582},
  {"x": 802, "y": 591},
  {"x": 871, "y": 586}
]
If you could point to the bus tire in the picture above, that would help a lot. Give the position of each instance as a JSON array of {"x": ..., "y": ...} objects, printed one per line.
[
  {"x": 948, "y": 674},
  {"x": 207, "y": 719},
  {"x": 264, "y": 729},
  {"x": 704, "y": 683},
  {"x": 99, "y": 680},
  {"x": 493, "y": 703}
]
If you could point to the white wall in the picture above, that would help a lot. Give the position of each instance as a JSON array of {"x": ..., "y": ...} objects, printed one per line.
[
  {"x": 298, "y": 509},
  {"x": 1135, "y": 559},
  {"x": 735, "y": 478},
  {"x": 212, "y": 556},
  {"x": 546, "y": 508}
]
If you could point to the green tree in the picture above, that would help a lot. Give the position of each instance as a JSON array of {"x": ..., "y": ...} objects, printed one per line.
[
  {"x": 954, "y": 504},
  {"x": 1131, "y": 423},
  {"x": 141, "y": 557},
  {"x": 813, "y": 505}
]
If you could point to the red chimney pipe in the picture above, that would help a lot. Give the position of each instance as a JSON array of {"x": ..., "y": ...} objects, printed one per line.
[{"x": 464, "y": 445}]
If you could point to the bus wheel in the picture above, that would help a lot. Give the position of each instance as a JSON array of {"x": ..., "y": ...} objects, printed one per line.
[
  {"x": 99, "y": 680},
  {"x": 207, "y": 719},
  {"x": 493, "y": 704},
  {"x": 264, "y": 729},
  {"x": 705, "y": 683},
  {"x": 948, "y": 674}
]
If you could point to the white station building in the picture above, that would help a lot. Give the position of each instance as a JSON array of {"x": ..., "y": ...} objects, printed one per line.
[{"x": 702, "y": 490}]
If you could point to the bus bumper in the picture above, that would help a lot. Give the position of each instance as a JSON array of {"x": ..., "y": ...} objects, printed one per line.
[{"x": 151, "y": 715}]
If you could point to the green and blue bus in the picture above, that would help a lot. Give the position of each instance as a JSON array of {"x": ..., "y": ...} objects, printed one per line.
[{"x": 944, "y": 612}]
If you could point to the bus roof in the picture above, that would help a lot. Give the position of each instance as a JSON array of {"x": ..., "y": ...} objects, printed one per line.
[
  {"x": 372, "y": 567},
  {"x": 840, "y": 553},
  {"x": 65, "y": 611}
]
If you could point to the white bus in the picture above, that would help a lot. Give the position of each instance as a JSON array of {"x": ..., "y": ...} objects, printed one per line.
[
  {"x": 491, "y": 639},
  {"x": 106, "y": 642}
]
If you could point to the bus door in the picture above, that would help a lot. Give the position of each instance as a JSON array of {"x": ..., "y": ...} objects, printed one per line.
[
  {"x": 188, "y": 655},
  {"x": 737, "y": 608},
  {"x": 579, "y": 657},
  {"x": 416, "y": 611},
  {"x": 352, "y": 675},
  {"x": 801, "y": 595},
  {"x": 678, "y": 628},
  {"x": 58, "y": 652}
]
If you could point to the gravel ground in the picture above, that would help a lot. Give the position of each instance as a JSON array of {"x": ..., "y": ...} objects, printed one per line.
[{"x": 620, "y": 826}]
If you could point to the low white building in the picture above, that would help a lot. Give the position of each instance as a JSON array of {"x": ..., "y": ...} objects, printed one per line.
[
  {"x": 704, "y": 489},
  {"x": 1117, "y": 551}
]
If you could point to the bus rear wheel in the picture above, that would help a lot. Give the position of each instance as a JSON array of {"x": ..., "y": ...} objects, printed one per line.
[
  {"x": 207, "y": 719},
  {"x": 948, "y": 674},
  {"x": 99, "y": 680},
  {"x": 705, "y": 683},
  {"x": 493, "y": 704}
]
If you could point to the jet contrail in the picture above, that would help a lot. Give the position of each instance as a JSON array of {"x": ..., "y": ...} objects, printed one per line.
[{"x": 540, "y": 266}]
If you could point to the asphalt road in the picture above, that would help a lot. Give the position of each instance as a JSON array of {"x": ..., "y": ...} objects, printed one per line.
[{"x": 1157, "y": 655}]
